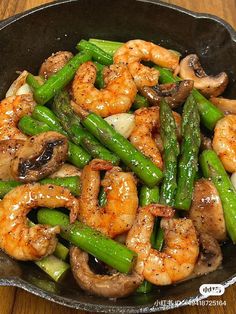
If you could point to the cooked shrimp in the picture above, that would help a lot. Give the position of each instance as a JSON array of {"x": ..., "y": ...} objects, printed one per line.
[
  {"x": 147, "y": 122},
  {"x": 19, "y": 240},
  {"x": 224, "y": 142},
  {"x": 11, "y": 110},
  {"x": 135, "y": 51},
  {"x": 118, "y": 215},
  {"x": 177, "y": 259},
  {"x": 116, "y": 97}
]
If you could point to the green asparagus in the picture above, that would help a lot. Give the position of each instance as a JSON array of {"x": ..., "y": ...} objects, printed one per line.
[
  {"x": 212, "y": 168},
  {"x": 95, "y": 243},
  {"x": 79, "y": 135},
  {"x": 131, "y": 157},
  {"x": 171, "y": 152},
  {"x": 188, "y": 163},
  {"x": 76, "y": 154},
  {"x": 209, "y": 113},
  {"x": 97, "y": 53},
  {"x": 60, "y": 79}
]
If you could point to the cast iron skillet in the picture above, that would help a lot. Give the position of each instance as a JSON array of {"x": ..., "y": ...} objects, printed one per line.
[{"x": 29, "y": 38}]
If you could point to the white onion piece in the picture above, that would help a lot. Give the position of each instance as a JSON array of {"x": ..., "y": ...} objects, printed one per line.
[
  {"x": 122, "y": 122},
  {"x": 20, "y": 81},
  {"x": 233, "y": 179},
  {"x": 24, "y": 89}
]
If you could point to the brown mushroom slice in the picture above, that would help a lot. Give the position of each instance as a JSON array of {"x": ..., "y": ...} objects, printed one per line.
[
  {"x": 191, "y": 69},
  {"x": 206, "y": 142},
  {"x": 40, "y": 156},
  {"x": 8, "y": 149},
  {"x": 54, "y": 63},
  {"x": 228, "y": 106},
  {"x": 66, "y": 170},
  {"x": 174, "y": 93},
  {"x": 117, "y": 285},
  {"x": 210, "y": 256},
  {"x": 206, "y": 210}
]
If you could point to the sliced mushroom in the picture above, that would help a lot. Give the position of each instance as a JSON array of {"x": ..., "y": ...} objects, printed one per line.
[
  {"x": 8, "y": 149},
  {"x": 40, "y": 156},
  {"x": 206, "y": 211},
  {"x": 174, "y": 93},
  {"x": 117, "y": 285},
  {"x": 210, "y": 256},
  {"x": 66, "y": 170},
  {"x": 206, "y": 142},
  {"x": 54, "y": 63},
  {"x": 191, "y": 69},
  {"x": 228, "y": 106}
]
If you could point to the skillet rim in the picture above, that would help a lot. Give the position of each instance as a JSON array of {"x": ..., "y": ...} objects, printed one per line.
[{"x": 20, "y": 283}]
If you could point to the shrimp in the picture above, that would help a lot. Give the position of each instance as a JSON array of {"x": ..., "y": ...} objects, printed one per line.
[
  {"x": 118, "y": 215},
  {"x": 11, "y": 110},
  {"x": 147, "y": 122},
  {"x": 224, "y": 142},
  {"x": 135, "y": 51},
  {"x": 19, "y": 240},
  {"x": 116, "y": 97},
  {"x": 177, "y": 259}
]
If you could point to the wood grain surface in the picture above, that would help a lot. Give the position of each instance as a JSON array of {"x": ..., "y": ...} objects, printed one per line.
[{"x": 17, "y": 301}]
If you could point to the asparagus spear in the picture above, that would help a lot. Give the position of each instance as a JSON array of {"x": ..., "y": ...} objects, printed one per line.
[
  {"x": 76, "y": 154},
  {"x": 32, "y": 82},
  {"x": 135, "y": 160},
  {"x": 97, "y": 53},
  {"x": 79, "y": 135},
  {"x": 108, "y": 46},
  {"x": 150, "y": 196},
  {"x": 209, "y": 113},
  {"x": 189, "y": 154},
  {"x": 105, "y": 249},
  {"x": 45, "y": 115},
  {"x": 71, "y": 183},
  {"x": 171, "y": 152},
  {"x": 53, "y": 266},
  {"x": 60, "y": 79},
  {"x": 140, "y": 102},
  {"x": 212, "y": 168}
]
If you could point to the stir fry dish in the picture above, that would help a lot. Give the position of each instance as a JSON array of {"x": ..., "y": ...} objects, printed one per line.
[{"x": 118, "y": 164}]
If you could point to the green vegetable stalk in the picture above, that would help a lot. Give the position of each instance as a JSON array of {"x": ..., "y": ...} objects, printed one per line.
[
  {"x": 95, "y": 243},
  {"x": 209, "y": 113},
  {"x": 212, "y": 168},
  {"x": 171, "y": 152},
  {"x": 151, "y": 196},
  {"x": 71, "y": 183},
  {"x": 188, "y": 164},
  {"x": 76, "y": 154},
  {"x": 60, "y": 79},
  {"x": 80, "y": 136},
  {"x": 54, "y": 267},
  {"x": 131, "y": 157},
  {"x": 97, "y": 53},
  {"x": 108, "y": 46}
]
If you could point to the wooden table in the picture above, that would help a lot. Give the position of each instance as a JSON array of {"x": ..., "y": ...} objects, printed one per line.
[{"x": 17, "y": 301}]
